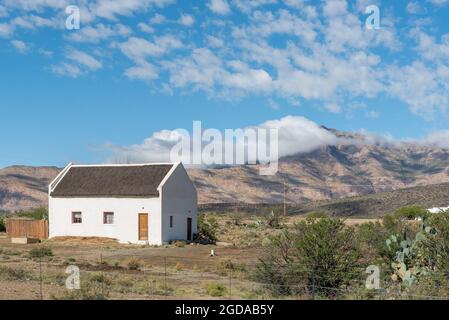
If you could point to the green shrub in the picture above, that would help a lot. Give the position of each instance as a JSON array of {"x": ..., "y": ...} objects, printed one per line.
[
  {"x": 319, "y": 256},
  {"x": 371, "y": 239},
  {"x": 436, "y": 247},
  {"x": 36, "y": 214},
  {"x": 179, "y": 243},
  {"x": 273, "y": 219},
  {"x": 2, "y": 225},
  {"x": 95, "y": 287},
  {"x": 134, "y": 263},
  {"x": 215, "y": 289},
  {"x": 207, "y": 229},
  {"x": 40, "y": 252},
  {"x": 318, "y": 214},
  {"x": 8, "y": 273},
  {"x": 100, "y": 278},
  {"x": 236, "y": 218},
  {"x": 411, "y": 212},
  {"x": 225, "y": 266}
]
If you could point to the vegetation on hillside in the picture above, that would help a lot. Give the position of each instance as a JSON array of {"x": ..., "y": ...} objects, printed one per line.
[
  {"x": 321, "y": 257},
  {"x": 36, "y": 214}
]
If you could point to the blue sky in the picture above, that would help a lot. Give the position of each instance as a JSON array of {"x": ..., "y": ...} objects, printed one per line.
[{"x": 138, "y": 67}]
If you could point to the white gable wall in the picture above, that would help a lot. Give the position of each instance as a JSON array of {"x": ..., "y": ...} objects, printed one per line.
[
  {"x": 178, "y": 199},
  {"x": 125, "y": 227}
]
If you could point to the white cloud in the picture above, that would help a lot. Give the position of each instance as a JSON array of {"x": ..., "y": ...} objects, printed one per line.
[
  {"x": 437, "y": 138},
  {"x": 84, "y": 59},
  {"x": 415, "y": 7},
  {"x": 372, "y": 114},
  {"x": 79, "y": 63},
  {"x": 204, "y": 70},
  {"x": 438, "y": 2},
  {"x": 158, "y": 19},
  {"x": 138, "y": 49},
  {"x": 144, "y": 27},
  {"x": 295, "y": 3},
  {"x": 299, "y": 135},
  {"x": 187, "y": 20},
  {"x": 430, "y": 49},
  {"x": 36, "y": 5},
  {"x": 66, "y": 70},
  {"x": 99, "y": 32},
  {"x": 111, "y": 9},
  {"x": 33, "y": 22},
  {"x": 46, "y": 53},
  {"x": 6, "y": 30},
  {"x": 420, "y": 87},
  {"x": 214, "y": 42},
  {"x": 322, "y": 53},
  {"x": 332, "y": 107},
  {"x": 219, "y": 6},
  {"x": 249, "y": 5},
  {"x": 296, "y": 135},
  {"x": 3, "y": 12},
  {"x": 20, "y": 46},
  {"x": 90, "y": 10},
  {"x": 144, "y": 71}
]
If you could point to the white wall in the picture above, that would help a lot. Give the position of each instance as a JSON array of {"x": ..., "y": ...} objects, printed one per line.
[
  {"x": 125, "y": 227},
  {"x": 179, "y": 199}
]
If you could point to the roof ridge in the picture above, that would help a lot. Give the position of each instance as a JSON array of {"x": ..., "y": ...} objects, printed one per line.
[{"x": 125, "y": 164}]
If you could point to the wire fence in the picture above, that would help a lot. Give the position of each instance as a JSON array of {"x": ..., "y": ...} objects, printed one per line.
[{"x": 167, "y": 277}]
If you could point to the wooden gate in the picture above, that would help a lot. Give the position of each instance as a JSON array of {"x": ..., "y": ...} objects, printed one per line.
[{"x": 27, "y": 228}]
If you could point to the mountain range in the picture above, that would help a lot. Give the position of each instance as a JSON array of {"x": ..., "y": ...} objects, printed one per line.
[{"x": 353, "y": 168}]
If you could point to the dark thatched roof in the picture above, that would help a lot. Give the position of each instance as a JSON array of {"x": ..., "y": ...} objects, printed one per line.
[{"x": 112, "y": 181}]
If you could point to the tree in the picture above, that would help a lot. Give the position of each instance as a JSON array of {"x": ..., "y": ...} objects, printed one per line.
[
  {"x": 2, "y": 225},
  {"x": 207, "y": 229},
  {"x": 318, "y": 256}
]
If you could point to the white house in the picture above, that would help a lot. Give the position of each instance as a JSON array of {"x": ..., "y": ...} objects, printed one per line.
[
  {"x": 438, "y": 210},
  {"x": 144, "y": 203}
]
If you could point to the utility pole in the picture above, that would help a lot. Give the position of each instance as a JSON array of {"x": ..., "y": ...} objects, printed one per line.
[{"x": 285, "y": 200}]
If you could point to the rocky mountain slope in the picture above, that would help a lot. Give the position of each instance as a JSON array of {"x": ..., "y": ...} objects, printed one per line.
[{"x": 330, "y": 172}]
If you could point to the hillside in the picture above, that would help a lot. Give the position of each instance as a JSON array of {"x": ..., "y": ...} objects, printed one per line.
[
  {"x": 381, "y": 203},
  {"x": 328, "y": 173}
]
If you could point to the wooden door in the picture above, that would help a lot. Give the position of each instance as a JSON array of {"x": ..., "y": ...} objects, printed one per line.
[
  {"x": 189, "y": 229},
  {"x": 143, "y": 226}
]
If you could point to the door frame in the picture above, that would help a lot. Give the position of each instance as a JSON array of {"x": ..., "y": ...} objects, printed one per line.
[
  {"x": 189, "y": 228},
  {"x": 138, "y": 228}
]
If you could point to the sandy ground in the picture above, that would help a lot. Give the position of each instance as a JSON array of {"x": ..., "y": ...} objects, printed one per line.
[{"x": 165, "y": 272}]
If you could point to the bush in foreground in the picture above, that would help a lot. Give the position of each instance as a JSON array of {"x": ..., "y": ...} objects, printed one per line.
[{"x": 319, "y": 256}]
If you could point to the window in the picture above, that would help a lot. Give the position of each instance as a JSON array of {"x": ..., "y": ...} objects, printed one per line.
[
  {"x": 76, "y": 217},
  {"x": 171, "y": 221},
  {"x": 108, "y": 217}
]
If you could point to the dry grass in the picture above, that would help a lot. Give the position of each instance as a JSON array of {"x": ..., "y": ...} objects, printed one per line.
[
  {"x": 83, "y": 240},
  {"x": 170, "y": 271}
]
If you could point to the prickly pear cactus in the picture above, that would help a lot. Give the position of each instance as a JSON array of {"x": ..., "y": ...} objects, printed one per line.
[{"x": 406, "y": 262}]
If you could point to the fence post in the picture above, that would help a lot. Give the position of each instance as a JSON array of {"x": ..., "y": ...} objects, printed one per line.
[
  {"x": 230, "y": 283},
  {"x": 40, "y": 277},
  {"x": 102, "y": 275},
  {"x": 165, "y": 277}
]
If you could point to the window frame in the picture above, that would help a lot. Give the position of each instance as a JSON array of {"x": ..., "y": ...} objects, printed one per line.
[
  {"x": 75, "y": 220},
  {"x": 105, "y": 215},
  {"x": 171, "y": 224}
]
